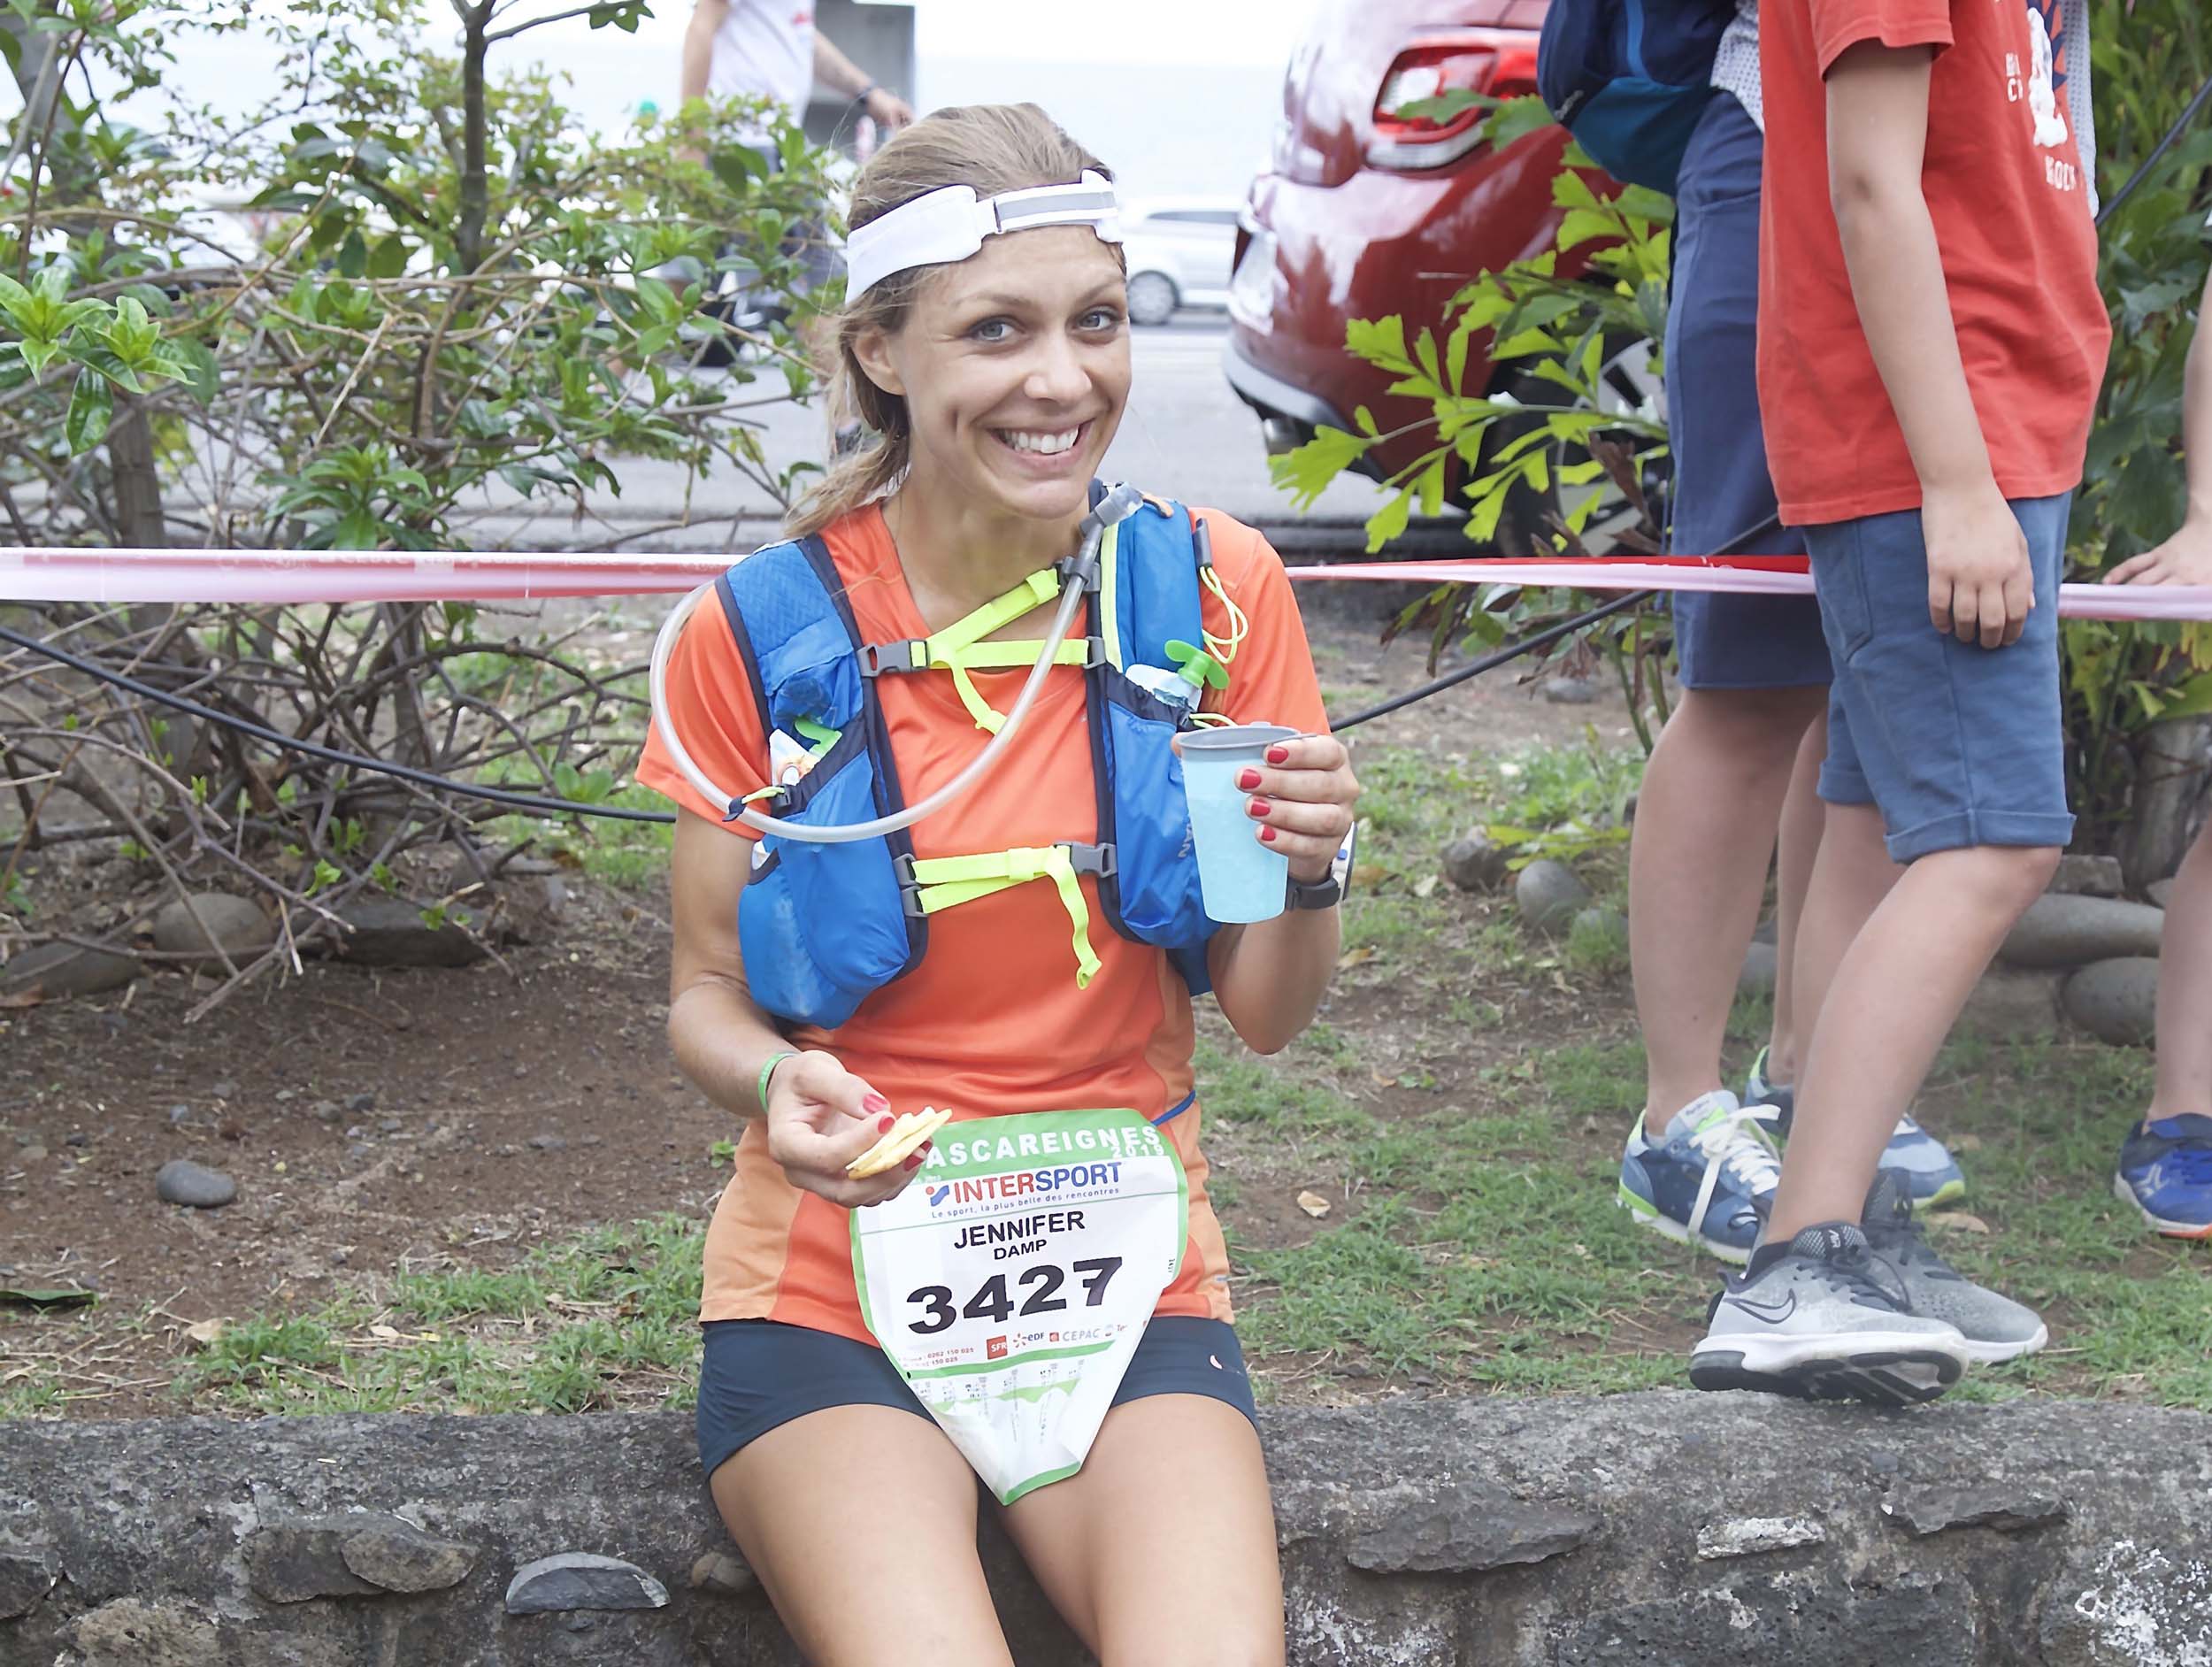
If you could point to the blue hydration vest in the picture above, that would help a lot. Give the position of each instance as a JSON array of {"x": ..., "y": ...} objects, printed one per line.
[
  {"x": 823, "y": 926},
  {"x": 1631, "y": 78}
]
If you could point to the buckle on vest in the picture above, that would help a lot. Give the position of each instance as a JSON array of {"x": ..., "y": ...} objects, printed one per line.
[
  {"x": 909, "y": 887},
  {"x": 870, "y": 655},
  {"x": 1095, "y": 859}
]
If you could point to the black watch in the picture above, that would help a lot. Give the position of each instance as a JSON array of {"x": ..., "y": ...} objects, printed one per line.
[{"x": 1317, "y": 894}]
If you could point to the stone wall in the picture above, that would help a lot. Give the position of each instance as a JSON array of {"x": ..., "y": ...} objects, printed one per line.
[{"x": 1656, "y": 1528}]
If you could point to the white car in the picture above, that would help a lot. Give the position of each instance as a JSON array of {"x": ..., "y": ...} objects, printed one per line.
[{"x": 1180, "y": 250}]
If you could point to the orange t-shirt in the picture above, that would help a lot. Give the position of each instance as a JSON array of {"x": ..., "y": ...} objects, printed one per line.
[
  {"x": 2003, "y": 178},
  {"x": 991, "y": 1022}
]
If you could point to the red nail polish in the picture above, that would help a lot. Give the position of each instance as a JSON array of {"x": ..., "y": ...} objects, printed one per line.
[
  {"x": 914, "y": 1162},
  {"x": 874, "y": 1103},
  {"x": 1248, "y": 779},
  {"x": 884, "y": 1127},
  {"x": 1255, "y": 807},
  {"x": 1268, "y": 835},
  {"x": 1279, "y": 755}
]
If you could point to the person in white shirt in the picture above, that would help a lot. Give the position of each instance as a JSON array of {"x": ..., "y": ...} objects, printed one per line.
[{"x": 770, "y": 49}]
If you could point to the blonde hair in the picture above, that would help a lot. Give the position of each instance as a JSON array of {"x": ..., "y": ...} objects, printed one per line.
[{"x": 993, "y": 148}]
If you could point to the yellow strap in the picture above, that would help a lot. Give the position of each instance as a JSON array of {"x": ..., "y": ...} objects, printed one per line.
[
  {"x": 960, "y": 645},
  {"x": 1225, "y": 648},
  {"x": 948, "y": 882}
]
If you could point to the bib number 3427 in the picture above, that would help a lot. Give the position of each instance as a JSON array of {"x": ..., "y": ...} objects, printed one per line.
[{"x": 1011, "y": 1283}]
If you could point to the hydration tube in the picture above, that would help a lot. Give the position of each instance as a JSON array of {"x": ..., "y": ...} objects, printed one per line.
[{"x": 1114, "y": 507}]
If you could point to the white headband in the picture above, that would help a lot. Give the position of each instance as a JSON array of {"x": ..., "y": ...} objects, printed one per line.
[{"x": 950, "y": 224}]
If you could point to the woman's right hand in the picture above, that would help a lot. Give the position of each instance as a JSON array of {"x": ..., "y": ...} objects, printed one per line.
[
  {"x": 820, "y": 1116},
  {"x": 2184, "y": 559}
]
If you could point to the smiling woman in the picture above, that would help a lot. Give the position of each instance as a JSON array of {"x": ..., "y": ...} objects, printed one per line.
[{"x": 1038, "y": 1298}]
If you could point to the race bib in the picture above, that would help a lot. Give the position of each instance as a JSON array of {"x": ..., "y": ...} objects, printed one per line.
[{"x": 1012, "y": 1280}]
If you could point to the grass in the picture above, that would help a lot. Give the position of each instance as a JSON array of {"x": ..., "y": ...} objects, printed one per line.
[
  {"x": 1466, "y": 1130},
  {"x": 606, "y": 1320}
]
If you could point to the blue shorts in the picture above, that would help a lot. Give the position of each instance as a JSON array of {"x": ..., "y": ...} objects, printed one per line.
[
  {"x": 1721, "y": 488},
  {"x": 1957, "y": 744},
  {"x": 757, "y": 1374}
]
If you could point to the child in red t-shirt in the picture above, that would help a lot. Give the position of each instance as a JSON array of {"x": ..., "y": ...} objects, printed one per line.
[{"x": 1931, "y": 341}]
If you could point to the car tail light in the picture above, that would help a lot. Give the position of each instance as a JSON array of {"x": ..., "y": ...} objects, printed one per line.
[{"x": 1499, "y": 63}]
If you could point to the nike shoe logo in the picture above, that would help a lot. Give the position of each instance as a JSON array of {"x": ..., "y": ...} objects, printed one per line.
[{"x": 1772, "y": 1313}]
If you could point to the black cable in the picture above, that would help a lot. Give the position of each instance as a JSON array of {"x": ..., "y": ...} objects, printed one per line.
[
  {"x": 2142, "y": 171},
  {"x": 1491, "y": 662},
  {"x": 544, "y": 805}
]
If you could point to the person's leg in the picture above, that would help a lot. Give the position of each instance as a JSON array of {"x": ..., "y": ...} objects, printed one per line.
[
  {"x": 2185, "y": 991},
  {"x": 1960, "y": 746},
  {"x": 1852, "y": 873},
  {"x": 1795, "y": 848},
  {"x": 860, "y": 1522},
  {"x": 2165, "y": 1166},
  {"x": 1161, "y": 1551},
  {"x": 1751, "y": 667},
  {"x": 1897, "y": 992}
]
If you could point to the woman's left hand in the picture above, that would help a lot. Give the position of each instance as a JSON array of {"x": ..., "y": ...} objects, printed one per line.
[{"x": 1301, "y": 799}]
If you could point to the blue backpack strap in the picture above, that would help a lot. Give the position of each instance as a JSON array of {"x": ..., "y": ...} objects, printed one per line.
[
  {"x": 795, "y": 628},
  {"x": 1153, "y": 600}
]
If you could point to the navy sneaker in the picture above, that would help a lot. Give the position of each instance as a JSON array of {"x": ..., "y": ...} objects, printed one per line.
[
  {"x": 1925, "y": 1161},
  {"x": 1708, "y": 1180},
  {"x": 2166, "y": 1173}
]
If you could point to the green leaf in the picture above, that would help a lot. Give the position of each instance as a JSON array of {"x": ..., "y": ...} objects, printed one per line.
[
  {"x": 1306, "y": 471},
  {"x": 1381, "y": 341},
  {"x": 1517, "y": 118},
  {"x": 91, "y": 407},
  {"x": 388, "y": 257},
  {"x": 360, "y": 530},
  {"x": 353, "y": 254},
  {"x": 1389, "y": 522},
  {"x": 18, "y": 1297},
  {"x": 739, "y": 168}
]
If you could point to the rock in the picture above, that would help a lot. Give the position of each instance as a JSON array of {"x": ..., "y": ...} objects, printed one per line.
[
  {"x": 549, "y": 1142},
  {"x": 131, "y": 1632},
  {"x": 1600, "y": 932},
  {"x": 2013, "y": 1004},
  {"x": 325, "y": 1111},
  {"x": 582, "y": 1580},
  {"x": 224, "y": 1090},
  {"x": 2159, "y": 891},
  {"x": 390, "y": 1125},
  {"x": 718, "y": 1571},
  {"x": 360, "y": 1103},
  {"x": 2116, "y": 1001},
  {"x": 1761, "y": 963},
  {"x": 1475, "y": 862},
  {"x": 26, "y": 1575},
  {"x": 1747, "y": 1536},
  {"x": 1464, "y": 1529},
  {"x": 234, "y": 924},
  {"x": 1571, "y": 691},
  {"x": 386, "y": 932},
  {"x": 351, "y": 1555},
  {"x": 2007, "y": 1508},
  {"x": 391, "y": 1553},
  {"x": 58, "y": 971},
  {"x": 1550, "y": 895},
  {"x": 76, "y": 1139},
  {"x": 181, "y": 1182},
  {"x": 530, "y": 908},
  {"x": 2064, "y": 931},
  {"x": 2089, "y": 877},
  {"x": 178, "y": 1114}
]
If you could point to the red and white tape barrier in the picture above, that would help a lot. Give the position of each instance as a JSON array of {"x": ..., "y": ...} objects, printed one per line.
[{"x": 282, "y": 577}]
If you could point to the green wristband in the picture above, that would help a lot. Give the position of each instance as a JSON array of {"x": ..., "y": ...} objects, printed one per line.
[{"x": 768, "y": 1071}]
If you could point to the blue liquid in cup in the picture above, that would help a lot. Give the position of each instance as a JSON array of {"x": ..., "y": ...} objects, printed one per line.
[{"x": 1239, "y": 879}]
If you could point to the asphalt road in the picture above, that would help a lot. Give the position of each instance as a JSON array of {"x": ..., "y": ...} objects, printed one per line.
[{"x": 1185, "y": 435}]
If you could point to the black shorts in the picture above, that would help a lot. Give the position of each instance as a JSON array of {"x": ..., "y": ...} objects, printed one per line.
[{"x": 757, "y": 1374}]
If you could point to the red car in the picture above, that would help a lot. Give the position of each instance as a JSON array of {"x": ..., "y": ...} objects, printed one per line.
[{"x": 1365, "y": 213}]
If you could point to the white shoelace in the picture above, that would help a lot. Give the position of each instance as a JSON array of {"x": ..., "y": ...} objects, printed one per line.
[{"x": 1736, "y": 1144}]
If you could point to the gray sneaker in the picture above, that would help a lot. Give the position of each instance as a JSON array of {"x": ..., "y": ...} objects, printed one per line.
[
  {"x": 1822, "y": 1318},
  {"x": 1995, "y": 1327}
]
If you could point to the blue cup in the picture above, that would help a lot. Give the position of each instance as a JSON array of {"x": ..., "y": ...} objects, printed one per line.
[{"x": 1239, "y": 879}]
